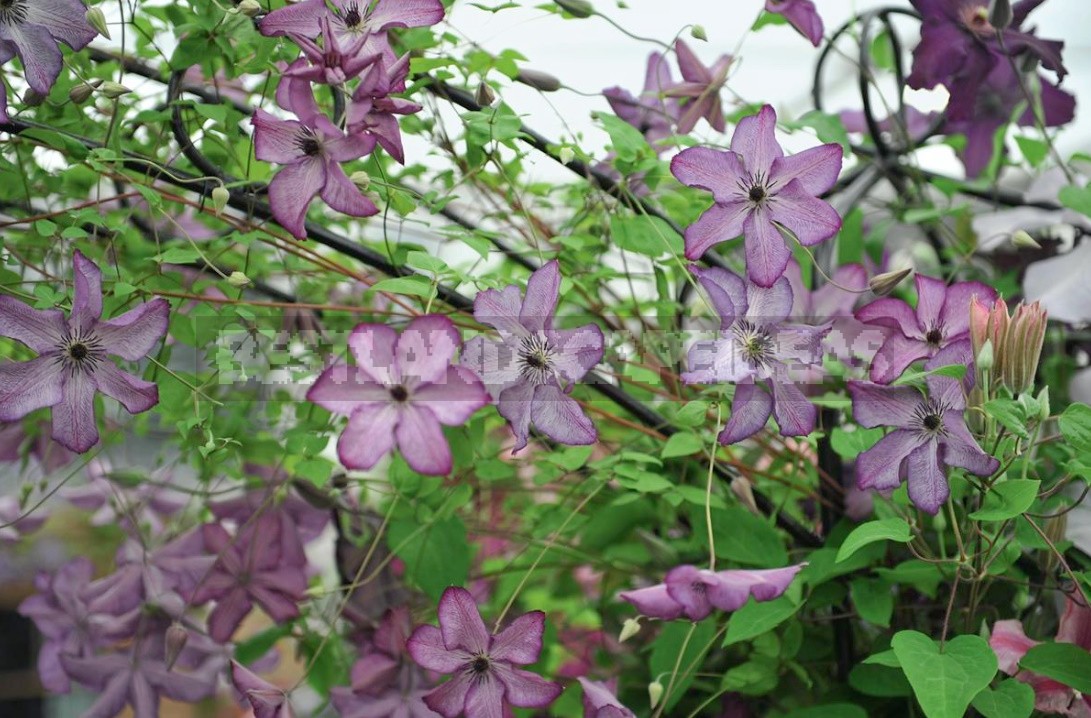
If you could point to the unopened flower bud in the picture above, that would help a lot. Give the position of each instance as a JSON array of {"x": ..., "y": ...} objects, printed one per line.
[
  {"x": 361, "y": 179},
  {"x": 176, "y": 639},
  {"x": 83, "y": 91},
  {"x": 249, "y": 8},
  {"x": 630, "y": 628},
  {"x": 541, "y": 81},
  {"x": 566, "y": 155},
  {"x": 1000, "y": 14},
  {"x": 220, "y": 198},
  {"x": 885, "y": 283},
  {"x": 1023, "y": 240},
  {"x": 1028, "y": 63},
  {"x": 655, "y": 693},
  {"x": 1024, "y": 340},
  {"x": 697, "y": 32},
  {"x": 985, "y": 358},
  {"x": 33, "y": 98},
  {"x": 97, "y": 20},
  {"x": 484, "y": 94},
  {"x": 1056, "y": 529},
  {"x": 238, "y": 280},
  {"x": 114, "y": 90},
  {"x": 1043, "y": 403},
  {"x": 576, "y": 8}
]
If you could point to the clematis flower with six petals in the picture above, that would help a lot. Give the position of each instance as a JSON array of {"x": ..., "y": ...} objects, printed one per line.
[
  {"x": 73, "y": 358},
  {"x": 352, "y": 19},
  {"x": 757, "y": 192},
  {"x": 31, "y": 29},
  {"x": 941, "y": 320},
  {"x": 311, "y": 150},
  {"x": 533, "y": 366},
  {"x": 700, "y": 89},
  {"x": 930, "y": 435},
  {"x": 483, "y": 667},
  {"x": 691, "y": 592},
  {"x": 757, "y": 351},
  {"x": 401, "y": 392},
  {"x": 329, "y": 63},
  {"x": 653, "y": 113}
]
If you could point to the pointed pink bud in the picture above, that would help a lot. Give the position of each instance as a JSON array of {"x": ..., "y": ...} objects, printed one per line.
[{"x": 176, "y": 639}]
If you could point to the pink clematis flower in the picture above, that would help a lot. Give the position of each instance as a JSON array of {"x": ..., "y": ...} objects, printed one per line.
[
  {"x": 1010, "y": 644},
  {"x": 930, "y": 434},
  {"x": 329, "y": 63},
  {"x": 700, "y": 88},
  {"x": 264, "y": 564},
  {"x": 800, "y": 14},
  {"x": 373, "y": 111},
  {"x": 311, "y": 150},
  {"x": 31, "y": 29},
  {"x": 73, "y": 361},
  {"x": 653, "y": 113},
  {"x": 599, "y": 701},
  {"x": 693, "y": 592},
  {"x": 266, "y": 700},
  {"x": 757, "y": 191},
  {"x": 401, "y": 392},
  {"x": 353, "y": 19},
  {"x": 533, "y": 367},
  {"x": 941, "y": 322},
  {"x": 485, "y": 679}
]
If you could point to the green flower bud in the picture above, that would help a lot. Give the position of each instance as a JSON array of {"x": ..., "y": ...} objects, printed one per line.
[
  {"x": 1023, "y": 240},
  {"x": 576, "y": 8},
  {"x": 1000, "y": 14},
  {"x": 885, "y": 283},
  {"x": 83, "y": 91},
  {"x": 630, "y": 628},
  {"x": 97, "y": 20},
  {"x": 114, "y": 90},
  {"x": 361, "y": 179},
  {"x": 238, "y": 280},
  {"x": 697, "y": 32},
  {"x": 220, "y": 198},
  {"x": 566, "y": 155},
  {"x": 986, "y": 357},
  {"x": 484, "y": 94},
  {"x": 655, "y": 693},
  {"x": 541, "y": 81}
]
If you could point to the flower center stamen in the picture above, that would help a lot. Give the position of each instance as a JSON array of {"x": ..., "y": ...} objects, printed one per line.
[
  {"x": 80, "y": 353},
  {"x": 308, "y": 143},
  {"x": 757, "y": 194},
  {"x": 928, "y": 418},
  {"x": 480, "y": 665},
  {"x": 352, "y": 17},
  {"x": 399, "y": 393},
  {"x": 934, "y": 336},
  {"x": 536, "y": 358},
  {"x": 12, "y": 12},
  {"x": 754, "y": 343}
]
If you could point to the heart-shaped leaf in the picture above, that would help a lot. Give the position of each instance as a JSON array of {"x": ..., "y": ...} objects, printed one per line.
[
  {"x": 945, "y": 682},
  {"x": 1063, "y": 662},
  {"x": 1011, "y": 699},
  {"x": 884, "y": 530}
]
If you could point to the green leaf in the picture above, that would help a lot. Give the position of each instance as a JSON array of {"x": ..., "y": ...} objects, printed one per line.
[
  {"x": 1011, "y": 699},
  {"x": 681, "y": 445},
  {"x": 850, "y": 444},
  {"x": 437, "y": 557},
  {"x": 893, "y": 529},
  {"x": 257, "y": 646},
  {"x": 754, "y": 618},
  {"x": 179, "y": 255},
  {"x": 426, "y": 262},
  {"x": 1076, "y": 198},
  {"x": 945, "y": 682},
  {"x": 1010, "y": 414},
  {"x": 665, "y": 653},
  {"x": 1007, "y": 500},
  {"x": 1076, "y": 426},
  {"x": 830, "y": 710},
  {"x": 741, "y": 536},
  {"x": 410, "y": 286},
  {"x": 829, "y": 128},
  {"x": 1065, "y": 663},
  {"x": 1034, "y": 150},
  {"x": 628, "y": 142},
  {"x": 873, "y": 600},
  {"x": 645, "y": 235}
]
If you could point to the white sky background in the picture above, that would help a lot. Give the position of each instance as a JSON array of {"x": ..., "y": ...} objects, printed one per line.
[{"x": 776, "y": 67}]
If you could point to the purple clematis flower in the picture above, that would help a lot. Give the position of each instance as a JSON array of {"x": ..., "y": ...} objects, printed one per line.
[
  {"x": 756, "y": 348},
  {"x": 756, "y": 190},
  {"x": 929, "y": 435},
  {"x": 353, "y": 19},
  {"x": 263, "y": 564},
  {"x": 802, "y": 15},
  {"x": 531, "y": 368},
  {"x": 76, "y": 616},
  {"x": 7, "y": 51},
  {"x": 693, "y": 592},
  {"x": 978, "y": 109},
  {"x": 1010, "y": 643},
  {"x": 384, "y": 682},
  {"x": 700, "y": 87},
  {"x": 485, "y": 679},
  {"x": 373, "y": 111},
  {"x": 402, "y": 389},
  {"x": 329, "y": 63},
  {"x": 941, "y": 320},
  {"x": 138, "y": 675},
  {"x": 653, "y": 113},
  {"x": 311, "y": 149},
  {"x": 266, "y": 700},
  {"x": 31, "y": 29},
  {"x": 957, "y": 41},
  {"x": 599, "y": 701},
  {"x": 72, "y": 364}
]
